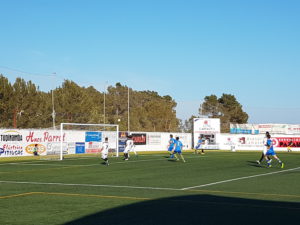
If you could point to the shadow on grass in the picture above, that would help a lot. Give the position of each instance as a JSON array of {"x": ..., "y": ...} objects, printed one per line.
[
  {"x": 198, "y": 209},
  {"x": 255, "y": 164}
]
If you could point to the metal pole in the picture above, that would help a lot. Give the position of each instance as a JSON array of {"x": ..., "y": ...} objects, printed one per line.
[
  {"x": 104, "y": 103},
  {"x": 53, "y": 109},
  {"x": 128, "y": 112},
  {"x": 61, "y": 141}
]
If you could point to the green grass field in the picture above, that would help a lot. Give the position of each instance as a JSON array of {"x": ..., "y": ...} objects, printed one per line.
[{"x": 215, "y": 188}]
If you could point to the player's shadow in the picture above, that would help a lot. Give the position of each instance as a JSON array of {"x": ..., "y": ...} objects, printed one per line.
[
  {"x": 197, "y": 210},
  {"x": 172, "y": 160},
  {"x": 254, "y": 164}
]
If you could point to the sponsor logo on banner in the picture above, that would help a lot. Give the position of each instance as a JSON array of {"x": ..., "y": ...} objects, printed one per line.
[
  {"x": 244, "y": 129},
  {"x": 283, "y": 142},
  {"x": 71, "y": 148},
  {"x": 93, "y": 136},
  {"x": 12, "y": 143},
  {"x": 154, "y": 139},
  {"x": 11, "y": 150},
  {"x": 53, "y": 148},
  {"x": 139, "y": 138},
  {"x": 30, "y": 148},
  {"x": 80, "y": 148},
  {"x": 93, "y": 147},
  {"x": 45, "y": 137},
  {"x": 11, "y": 136},
  {"x": 229, "y": 141},
  {"x": 251, "y": 141},
  {"x": 122, "y": 141},
  {"x": 206, "y": 125}
]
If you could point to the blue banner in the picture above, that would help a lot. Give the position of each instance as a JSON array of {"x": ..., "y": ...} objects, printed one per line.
[
  {"x": 122, "y": 141},
  {"x": 80, "y": 148},
  {"x": 93, "y": 136}
]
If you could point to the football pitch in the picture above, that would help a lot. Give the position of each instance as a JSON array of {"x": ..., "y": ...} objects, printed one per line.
[{"x": 215, "y": 188}]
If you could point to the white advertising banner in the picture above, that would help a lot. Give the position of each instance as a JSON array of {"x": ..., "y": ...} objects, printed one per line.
[
  {"x": 256, "y": 142},
  {"x": 207, "y": 128},
  {"x": 293, "y": 129},
  {"x": 21, "y": 142}
]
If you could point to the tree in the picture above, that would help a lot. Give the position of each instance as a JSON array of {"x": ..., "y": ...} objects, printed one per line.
[
  {"x": 187, "y": 126},
  {"x": 6, "y": 103},
  {"x": 227, "y": 108}
]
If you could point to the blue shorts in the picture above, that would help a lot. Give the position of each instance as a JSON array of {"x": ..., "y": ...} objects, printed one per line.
[
  {"x": 271, "y": 152},
  {"x": 170, "y": 148},
  {"x": 177, "y": 151},
  {"x": 198, "y": 146}
]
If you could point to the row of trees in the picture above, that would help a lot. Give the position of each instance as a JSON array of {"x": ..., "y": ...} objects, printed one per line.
[{"x": 23, "y": 105}]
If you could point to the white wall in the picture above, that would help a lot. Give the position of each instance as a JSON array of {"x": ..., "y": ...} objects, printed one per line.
[{"x": 20, "y": 142}]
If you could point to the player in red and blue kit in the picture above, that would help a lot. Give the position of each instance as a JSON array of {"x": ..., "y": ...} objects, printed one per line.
[
  {"x": 271, "y": 152},
  {"x": 178, "y": 149},
  {"x": 171, "y": 146}
]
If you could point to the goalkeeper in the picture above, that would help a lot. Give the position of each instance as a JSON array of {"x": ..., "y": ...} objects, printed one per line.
[{"x": 129, "y": 147}]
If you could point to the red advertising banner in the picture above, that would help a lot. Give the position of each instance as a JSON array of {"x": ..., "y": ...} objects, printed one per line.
[
  {"x": 283, "y": 142},
  {"x": 139, "y": 138}
]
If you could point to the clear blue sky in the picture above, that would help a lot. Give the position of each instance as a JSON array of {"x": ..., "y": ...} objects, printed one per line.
[{"x": 186, "y": 49}]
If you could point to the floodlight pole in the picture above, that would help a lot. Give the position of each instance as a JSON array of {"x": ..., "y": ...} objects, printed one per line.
[
  {"x": 104, "y": 108},
  {"x": 104, "y": 103},
  {"x": 53, "y": 110},
  {"x": 128, "y": 112}
]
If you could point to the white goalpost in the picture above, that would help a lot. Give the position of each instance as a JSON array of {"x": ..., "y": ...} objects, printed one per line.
[{"x": 81, "y": 138}]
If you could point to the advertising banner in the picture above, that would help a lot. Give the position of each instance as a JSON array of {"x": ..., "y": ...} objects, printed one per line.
[
  {"x": 256, "y": 142},
  {"x": 139, "y": 138},
  {"x": 292, "y": 129},
  {"x": 122, "y": 141},
  {"x": 40, "y": 148},
  {"x": 93, "y": 136},
  {"x": 92, "y": 147},
  {"x": 244, "y": 129},
  {"x": 273, "y": 128},
  {"x": 206, "y": 128},
  {"x": 154, "y": 139},
  {"x": 80, "y": 148},
  {"x": 283, "y": 142},
  {"x": 11, "y": 143}
]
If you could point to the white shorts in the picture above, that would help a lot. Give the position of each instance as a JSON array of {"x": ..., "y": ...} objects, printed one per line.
[
  {"x": 265, "y": 150},
  {"x": 126, "y": 150},
  {"x": 104, "y": 155}
]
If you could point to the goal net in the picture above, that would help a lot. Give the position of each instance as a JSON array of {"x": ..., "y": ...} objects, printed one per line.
[{"x": 87, "y": 139}]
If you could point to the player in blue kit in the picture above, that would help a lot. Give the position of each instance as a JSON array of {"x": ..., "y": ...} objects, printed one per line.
[
  {"x": 177, "y": 149},
  {"x": 271, "y": 152},
  {"x": 199, "y": 146},
  {"x": 171, "y": 146}
]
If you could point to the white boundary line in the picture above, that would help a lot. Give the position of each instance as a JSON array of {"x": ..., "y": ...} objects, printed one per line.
[
  {"x": 89, "y": 185},
  {"x": 42, "y": 163},
  {"x": 77, "y": 165},
  {"x": 240, "y": 178},
  {"x": 146, "y": 188}
]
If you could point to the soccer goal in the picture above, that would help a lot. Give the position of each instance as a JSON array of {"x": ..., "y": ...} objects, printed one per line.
[{"x": 87, "y": 139}]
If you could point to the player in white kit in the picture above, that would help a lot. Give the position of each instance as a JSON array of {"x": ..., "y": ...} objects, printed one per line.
[
  {"x": 264, "y": 152},
  {"x": 104, "y": 151}
]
